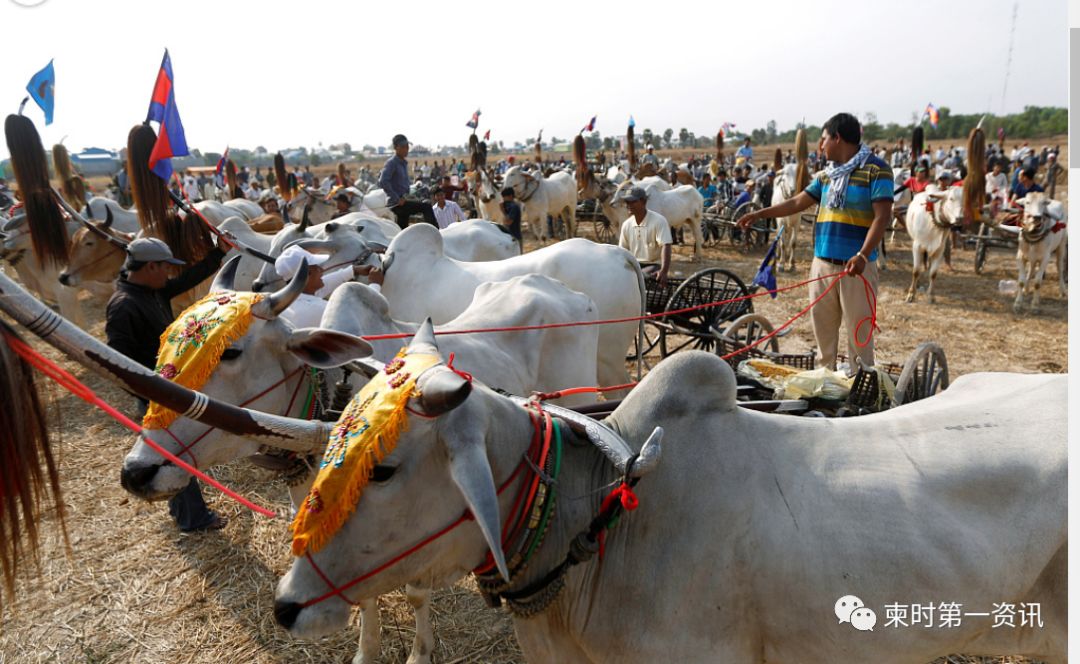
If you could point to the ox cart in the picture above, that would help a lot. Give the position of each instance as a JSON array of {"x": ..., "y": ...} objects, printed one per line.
[
  {"x": 992, "y": 236},
  {"x": 699, "y": 328},
  {"x": 722, "y": 221},
  {"x": 604, "y": 230}
]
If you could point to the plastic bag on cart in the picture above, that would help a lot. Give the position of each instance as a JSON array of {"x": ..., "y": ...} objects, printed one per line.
[
  {"x": 766, "y": 372},
  {"x": 819, "y": 384}
]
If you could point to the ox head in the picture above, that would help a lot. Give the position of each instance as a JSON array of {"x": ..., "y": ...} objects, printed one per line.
[
  {"x": 443, "y": 455},
  {"x": 270, "y": 351},
  {"x": 16, "y": 233},
  {"x": 949, "y": 203},
  {"x": 96, "y": 253},
  {"x": 1040, "y": 209}
]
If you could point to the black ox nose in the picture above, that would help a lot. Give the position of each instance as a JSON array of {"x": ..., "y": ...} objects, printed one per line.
[
  {"x": 64, "y": 278},
  {"x": 134, "y": 480},
  {"x": 285, "y": 613}
]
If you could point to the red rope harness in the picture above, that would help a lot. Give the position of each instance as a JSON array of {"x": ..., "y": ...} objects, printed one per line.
[
  {"x": 72, "y": 384},
  {"x": 186, "y": 448}
]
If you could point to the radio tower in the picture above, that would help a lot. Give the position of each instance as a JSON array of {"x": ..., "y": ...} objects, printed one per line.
[{"x": 1008, "y": 60}]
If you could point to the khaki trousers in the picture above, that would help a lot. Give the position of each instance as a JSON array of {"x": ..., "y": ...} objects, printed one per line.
[{"x": 846, "y": 303}]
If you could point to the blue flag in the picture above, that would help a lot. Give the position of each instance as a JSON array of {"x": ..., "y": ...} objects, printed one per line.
[
  {"x": 41, "y": 88},
  {"x": 631, "y": 121},
  {"x": 765, "y": 276}
]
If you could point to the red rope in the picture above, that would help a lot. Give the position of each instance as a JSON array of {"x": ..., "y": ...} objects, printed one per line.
[{"x": 72, "y": 384}]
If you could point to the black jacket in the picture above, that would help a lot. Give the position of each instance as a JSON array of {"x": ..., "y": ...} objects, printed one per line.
[{"x": 136, "y": 315}]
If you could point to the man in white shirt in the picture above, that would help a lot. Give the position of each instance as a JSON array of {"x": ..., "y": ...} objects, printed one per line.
[
  {"x": 446, "y": 212},
  {"x": 649, "y": 157},
  {"x": 647, "y": 235},
  {"x": 307, "y": 310},
  {"x": 191, "y": 188},
  {"x": 997, "y": 187}
]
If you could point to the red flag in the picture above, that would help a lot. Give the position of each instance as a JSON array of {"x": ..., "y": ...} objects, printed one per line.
[{"x": 487, "y": 134}]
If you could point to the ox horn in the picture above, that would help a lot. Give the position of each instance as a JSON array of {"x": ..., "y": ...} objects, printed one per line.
[
  {"x": 282, "y": 432},
  {"x": 226, "y": 277},
  {"x": 108, "y": 217},
  {"x": 271, "y": 307},
  {"x": 424, "y": 339},
  {"x": 91, "y": 226}
]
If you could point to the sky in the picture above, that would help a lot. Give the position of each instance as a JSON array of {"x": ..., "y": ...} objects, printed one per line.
[{"x": 248, "y": 74}]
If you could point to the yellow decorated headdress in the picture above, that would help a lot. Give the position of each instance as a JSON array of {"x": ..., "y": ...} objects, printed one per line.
[
  {"x": 192, "y": 345},
  {"x": 367, "y": 431}
]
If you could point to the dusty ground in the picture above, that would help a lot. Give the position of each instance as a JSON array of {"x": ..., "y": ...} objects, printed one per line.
[{"x": 135, "y": 590}]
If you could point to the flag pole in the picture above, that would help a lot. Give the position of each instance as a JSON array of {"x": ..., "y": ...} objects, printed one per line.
[{"x": 22, "y": 104}]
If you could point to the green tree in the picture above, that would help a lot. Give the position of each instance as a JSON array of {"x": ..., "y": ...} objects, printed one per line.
[
  {"x": 770, "y": 131},
  {"x": 647, "y": 136},
  {"x": 668, "y": 133},
  {"x": 684, "y": 137}
]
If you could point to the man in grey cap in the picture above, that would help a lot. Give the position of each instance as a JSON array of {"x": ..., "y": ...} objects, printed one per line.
[
  {"x": 137, "y": 313},
  {"x": 394, "y": 180},
  {"x": 647, "y": 235}
]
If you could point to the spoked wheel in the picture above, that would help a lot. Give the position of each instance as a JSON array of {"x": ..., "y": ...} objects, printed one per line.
[
  {"x": 750, "y": 328},
  {"x": 652, "y": 335},
  {"x": 604, "y": 230},
  {"x": 752, "y": 236},
  {"x": 925, "y": 373},
  {"x": 982, "y": 247},
  {"x": 696, "y": 329}
]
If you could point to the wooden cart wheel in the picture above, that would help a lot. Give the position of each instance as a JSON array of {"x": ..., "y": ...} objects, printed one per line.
[
  {"x": 748, "y": 237},
  {"x": 748, "y": 328},
  {"x": 604, "y": 230},
  {"x": 652, "y": 335},
  {"x": 925, "y": 373},
  {"x": 697, "y": 328},
  {"x": 982, "y": 246}
]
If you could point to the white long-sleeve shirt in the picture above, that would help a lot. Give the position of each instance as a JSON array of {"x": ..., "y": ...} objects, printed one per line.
[{"x": 448, "y": 214}]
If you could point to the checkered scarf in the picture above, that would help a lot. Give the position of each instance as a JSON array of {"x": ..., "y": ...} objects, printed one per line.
[{"x": 839, "y": 176}]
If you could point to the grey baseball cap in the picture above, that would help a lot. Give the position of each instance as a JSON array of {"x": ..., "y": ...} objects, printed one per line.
[
  {"x": 635, "y": 194},
  {"x": 400, "y": 140},
  {"x": 150, "y": 250}
]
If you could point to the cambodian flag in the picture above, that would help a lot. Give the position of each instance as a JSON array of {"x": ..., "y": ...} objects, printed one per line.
[
  {"x": 219, "y": 172},
  {"x": 727, "y": 127},
  {"x": 487, "y": 134},
  {"x": 171, "y": 141},
  {"x": 591, "y": 125},
  {"x": 932, "y": 113},
  {"x": 474, "y": 121}
]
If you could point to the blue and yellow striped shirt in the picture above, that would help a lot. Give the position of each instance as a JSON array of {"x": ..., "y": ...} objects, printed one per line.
[{"x": 839, "y": 233}]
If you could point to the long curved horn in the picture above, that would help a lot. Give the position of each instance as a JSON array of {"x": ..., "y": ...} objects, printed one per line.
[
  {"x": 226, "y": 277},
  {"x": 108, "y": 217},
  {"x": 271, "y": 307},
  {"x": 283, "y": 432},
  {"x": 94, "y": 228}
]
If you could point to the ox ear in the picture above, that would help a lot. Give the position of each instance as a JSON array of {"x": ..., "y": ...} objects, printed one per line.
[
  {"x": 326, "y": 349},
  {"x": 471, "y": 472}
]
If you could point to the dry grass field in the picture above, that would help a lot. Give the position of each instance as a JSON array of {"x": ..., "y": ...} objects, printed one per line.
[{"x": 133, "y": 589}]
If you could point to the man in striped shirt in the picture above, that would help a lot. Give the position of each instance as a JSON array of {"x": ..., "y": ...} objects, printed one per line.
[{"x": 855, "y": 197}]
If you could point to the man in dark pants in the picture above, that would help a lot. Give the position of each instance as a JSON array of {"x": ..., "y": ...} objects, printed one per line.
[
  {"x": 138, "y": 312},
  {"x": 394, "y": 180}
]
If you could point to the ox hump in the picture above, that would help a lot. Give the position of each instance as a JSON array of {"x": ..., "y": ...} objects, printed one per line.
[
  {"x": 686, "y": 384},
  {"x": 417, "y": 240}
]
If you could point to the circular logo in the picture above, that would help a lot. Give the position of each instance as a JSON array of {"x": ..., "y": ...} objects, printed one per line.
[{"x": 28, "y": 3}]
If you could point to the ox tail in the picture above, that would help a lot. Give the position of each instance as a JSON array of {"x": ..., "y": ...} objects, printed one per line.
[
  {"x": 975, "y": 180},
  {"x": 72, "y": 187},
  {"x": 802, "y": 154},
  {"x": 282, "y": 176},
  {"x": 31, "y": 480},
  {"x": 631, "y": 155},
  {"x": 778, "y": 160},
  {"x": 581, "y": 170},
  {"x": 47, "y": 230},
  {"x": 636, "y": 266},
  {"x": 230, "y": 180},
  {"x": 720, "y": 146}
]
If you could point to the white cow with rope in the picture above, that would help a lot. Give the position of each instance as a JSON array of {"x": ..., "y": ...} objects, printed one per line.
[
  {"x": 540, "y": 197},
  {"x": 1043, "y": 238},
  {"x": 750, "y": 532},
  {"x": 787, "y": 228},
  {"x": 931, "y": 217}
]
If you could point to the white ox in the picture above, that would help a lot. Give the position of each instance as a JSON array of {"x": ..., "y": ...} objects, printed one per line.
[
  {"x": 272, "y": 351},
  {"x": 683, "y": 205},
  {"x": 486, "y": 196},
  {"x": 786, "y": 227},
  {"x": 373, "y": 203},
  {"x": 540, "y": 197},
  {"x": 1043, "y": 237},
  {"x": 422, "y": 281},
  {"x": 930, "y": 219},
  {"x": 750, "y": 530},
  {"x": 477, "y": 240}
]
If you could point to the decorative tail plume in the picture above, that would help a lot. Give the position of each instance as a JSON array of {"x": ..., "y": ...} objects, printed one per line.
[
  {"x": 720, "y": 147},
  {"x": 539, "y": 155},
  {"x": 342, "y": 178},
  {"x": 70, "y": 184},
  {"x": 47, "y": 230},
  {"x": 580, "y": 163},
  {"x": 802, "y": 154},
  {"x": 778, "y": 160},
  {"x": 29, "y": 480},
  {"x": 916, "y": 146},
  {"x": 975, "y": 180},
  {"x": 282, "y": 177},
  {"x": 477, "y": 153},
  {"x": 188, "y": 239},
  {"x": 230, "y": 180},
  {"x": 630, "y": 153}
]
